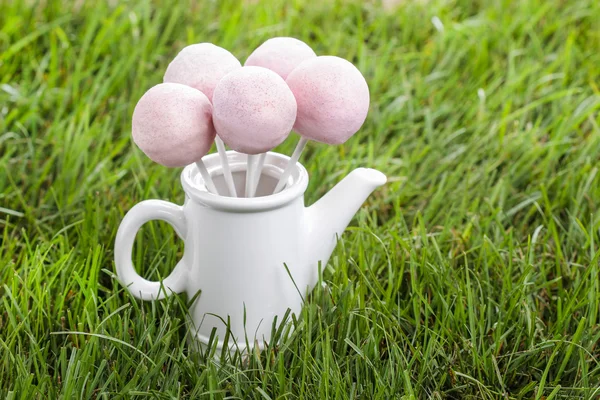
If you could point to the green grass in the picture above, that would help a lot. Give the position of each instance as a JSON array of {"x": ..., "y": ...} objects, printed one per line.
[{"x": 473, "y": 274}]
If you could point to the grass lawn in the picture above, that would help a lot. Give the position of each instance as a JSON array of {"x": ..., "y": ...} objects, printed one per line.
[{"x": 473, "y": 274}]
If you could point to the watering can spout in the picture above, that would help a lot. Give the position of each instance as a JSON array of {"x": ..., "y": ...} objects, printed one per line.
[{"x": 328, "y": 217}]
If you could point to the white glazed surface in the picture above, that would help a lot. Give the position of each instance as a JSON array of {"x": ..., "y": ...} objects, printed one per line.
[{"x": 237, "y": 249}]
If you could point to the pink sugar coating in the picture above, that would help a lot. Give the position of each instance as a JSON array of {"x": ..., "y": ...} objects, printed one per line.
[
  {"x": 201, "y": 66},
  {"x": 281, "y": 55},
  {"x": 172, "y": 124},
  {"x": 332, "y": 97},
  {"x": 253, "y": 110}
]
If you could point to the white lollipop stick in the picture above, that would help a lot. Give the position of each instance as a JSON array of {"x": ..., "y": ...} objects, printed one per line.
[
  {"x": 225, "y": 163},
  {"x": 290, "y": 167},
  {"x": 250, "y": 174},
  {"x": 258, "y": 173},
  {"x": 206, "y": 176}
]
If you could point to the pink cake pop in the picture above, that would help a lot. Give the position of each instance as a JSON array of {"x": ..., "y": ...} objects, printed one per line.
[
  {"x": 254, "y": 111},
  {"x": 332, "y": 97},
  {"x": 172, "y": 125},
  {"x": 333, "y": 102},
  {"x": 281, "y": 55},
  {"x": 201, "y": 66}
]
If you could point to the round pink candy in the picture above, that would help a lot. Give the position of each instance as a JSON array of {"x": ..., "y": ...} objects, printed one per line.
[
  {"x": 201, "y": 66},
  {"x": 281, "y": 55},
  {"x": 253, "y": 110},
  {"x": 332, "y": 97},
  {"x": 172, "y": 124}
]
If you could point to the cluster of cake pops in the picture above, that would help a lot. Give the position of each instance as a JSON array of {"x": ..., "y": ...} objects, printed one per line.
[{"x": 208, "y": 96}]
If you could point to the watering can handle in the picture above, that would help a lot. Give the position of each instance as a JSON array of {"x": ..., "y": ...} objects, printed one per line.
[{"x": 141, "y": 213}]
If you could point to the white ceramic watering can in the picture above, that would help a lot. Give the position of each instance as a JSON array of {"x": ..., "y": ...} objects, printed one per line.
[{"x": 237, "y": 249}]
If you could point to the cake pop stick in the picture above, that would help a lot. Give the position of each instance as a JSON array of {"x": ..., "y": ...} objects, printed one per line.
[
  {"x": 333, "y": 102},
  {"x": 258, "y": 173},
  {"x": 225, "y": 165},
  {"x": 172, "y": 125},
  {"x": 210, "y": 185},
  {"x": 251, "y": 167},
  {"x": 253, "y": 111},
  {"x": 290, "y": 166}
]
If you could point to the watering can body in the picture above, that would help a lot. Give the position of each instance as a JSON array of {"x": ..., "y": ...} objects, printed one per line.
[{"x": 247, "y": 261}]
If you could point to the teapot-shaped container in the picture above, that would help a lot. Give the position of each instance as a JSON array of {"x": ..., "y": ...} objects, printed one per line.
[{"x": 246, "y": 260}]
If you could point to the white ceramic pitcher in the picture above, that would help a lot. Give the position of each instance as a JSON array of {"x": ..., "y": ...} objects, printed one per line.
[{"x": 237, "y": 249}]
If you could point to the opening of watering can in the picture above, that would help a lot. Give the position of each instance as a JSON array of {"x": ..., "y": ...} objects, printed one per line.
[{"x": 273, "y": 168}]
